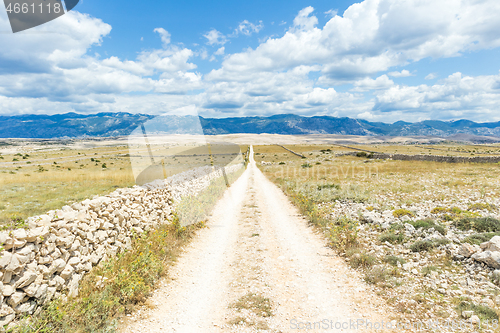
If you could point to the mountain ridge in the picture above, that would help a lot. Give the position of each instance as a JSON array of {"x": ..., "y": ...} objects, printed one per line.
[{"x": 74, "y": 125}]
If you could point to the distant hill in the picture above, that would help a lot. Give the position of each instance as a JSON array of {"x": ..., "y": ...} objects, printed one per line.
[{"x": 75, "y": 125}]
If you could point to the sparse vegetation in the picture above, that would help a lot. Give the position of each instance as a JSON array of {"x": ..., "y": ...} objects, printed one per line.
[
  {"x": 480, "y": 238},
  {"x": 403, "y": 212},
  {"x": 359, "y": 258},
  {"x": 428, "y": 224},
  {"x": 427, "y": 245},
  {"x": 479, "y": 224},
  {"x": 394, "y": 260},
  {"x": 482, "y": 206},
  {"x": 392, "y": 237},
  {"x": 258, "y": 304},
  {"x": 482, "y": 311},
  {"x": 343, "y": 234}
]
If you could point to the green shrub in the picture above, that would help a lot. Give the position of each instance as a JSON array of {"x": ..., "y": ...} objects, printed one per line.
[
  {"x": 480, "y": 238},
  {"x": 428, "y": 224},
  {"x": 377, "y": 275},
  {"x": 427, "y": 245},
  {"x": 343, "y": 233},
  {"x": 396, "y": 227},
  {"x": 402, "y": 212},
  {"x": 420, "y": 246},
  {"x": 482, "y": 206},
  {"x": 428, "y": 269},
  {"x": 359, "y": 258},
  {"x": 328, "y": 186},
  {"x": 392, "y": 238},
  {"x": 438, "y": 210},
  {"x": 482, "y": 311},
  {"x": 306, "y": 165},
  {"x": 393, "y": 260},
  {"x": 480, "y": 224}
]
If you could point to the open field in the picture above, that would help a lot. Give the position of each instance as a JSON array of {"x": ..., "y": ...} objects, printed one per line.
[
  {"x": 403, "y": 180},
  {"x": 41, "y": 175},
  {"x": 38, "y": 176}
]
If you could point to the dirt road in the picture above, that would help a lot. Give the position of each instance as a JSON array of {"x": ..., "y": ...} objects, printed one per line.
[{"x": 258, "y": 267}]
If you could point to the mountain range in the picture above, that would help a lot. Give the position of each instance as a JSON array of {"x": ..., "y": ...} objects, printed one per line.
[{"x": 73, "y": 125}]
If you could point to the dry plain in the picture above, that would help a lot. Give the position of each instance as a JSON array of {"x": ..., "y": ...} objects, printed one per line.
[{"x": 370, "y": 212}]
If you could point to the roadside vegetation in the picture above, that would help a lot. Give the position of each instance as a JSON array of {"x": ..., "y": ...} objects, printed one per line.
[{"x": 116, "y": 286}]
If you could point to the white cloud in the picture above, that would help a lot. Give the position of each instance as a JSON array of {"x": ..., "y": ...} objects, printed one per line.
[
  {"x": 304, "y": 21},
  {"x": 382, "y": 82},
  {"x": 457, "y": 96},
  {"x": 431, "y": 76},
  {"x": 165, "y": 36},
  {"x": 375, "y": 35},
  {"x": 56, "y": 72},
  {"x": 331, "y": 13},
  {"x": 246, "y": 28},
  {"x": 403, "y": 73},
  {"x": 215, "y": 37}
]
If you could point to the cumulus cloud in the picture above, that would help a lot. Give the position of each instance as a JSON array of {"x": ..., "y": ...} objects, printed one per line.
[
  {"x": 375, "y": 35},
  {"x": 165, "y": 36},
  {"x": 382, "y": 82},
  {"x": 295, "y": 72},
  {"x": 54, "y": 67},
  {"x": 403, "y": 73},
  {"x": 457, "y": 96},
  {"x": 246, "y": 28},
  {"x": 431, "y": 76},
  {"x": 331, "y": 13},
  {"x": 304, "y": 20},
  {"x": 215, "y": 37}
]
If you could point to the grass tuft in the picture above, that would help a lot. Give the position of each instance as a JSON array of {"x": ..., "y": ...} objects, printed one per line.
[
  {"x": 403, "y": 212},
  {"x": 428, "y": 224},
  {"x": 392, "y": 238},
  {"x": 479, "y": 224}
]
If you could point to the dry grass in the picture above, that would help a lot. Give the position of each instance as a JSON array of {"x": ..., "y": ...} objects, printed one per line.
[
  {"x": 57, "y": 178},
  {"x": 36, "y": 180},
  {"x": 408, "y": 180}
]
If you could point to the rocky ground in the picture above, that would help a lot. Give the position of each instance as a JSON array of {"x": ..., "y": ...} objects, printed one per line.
[{"x": 430, "y": 269}]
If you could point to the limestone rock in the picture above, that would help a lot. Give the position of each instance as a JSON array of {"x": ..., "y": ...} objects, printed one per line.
[
  {"x": 5, "y": 310},
  {"x": 26, "y": 308},
  {"x": 466, "y": 250},
  {"x": 67, "y": 272},
  {"x": 26, "y": 279},
  {"x": 8, "y": 290},
  {"x": 491, "y": 259},
  {"x": 492, "y": 245},
  {"x": 16, "y": 299},
  {"x": 7, "y": 319}
]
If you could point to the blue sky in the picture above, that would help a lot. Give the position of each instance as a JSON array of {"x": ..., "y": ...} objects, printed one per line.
[{"x": 380, "y": 60}]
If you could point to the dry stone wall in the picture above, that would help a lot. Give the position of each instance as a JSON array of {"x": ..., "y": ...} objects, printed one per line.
[
  {"x": 49, "y": 258},
  {"x": 434, "y": 158}
]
